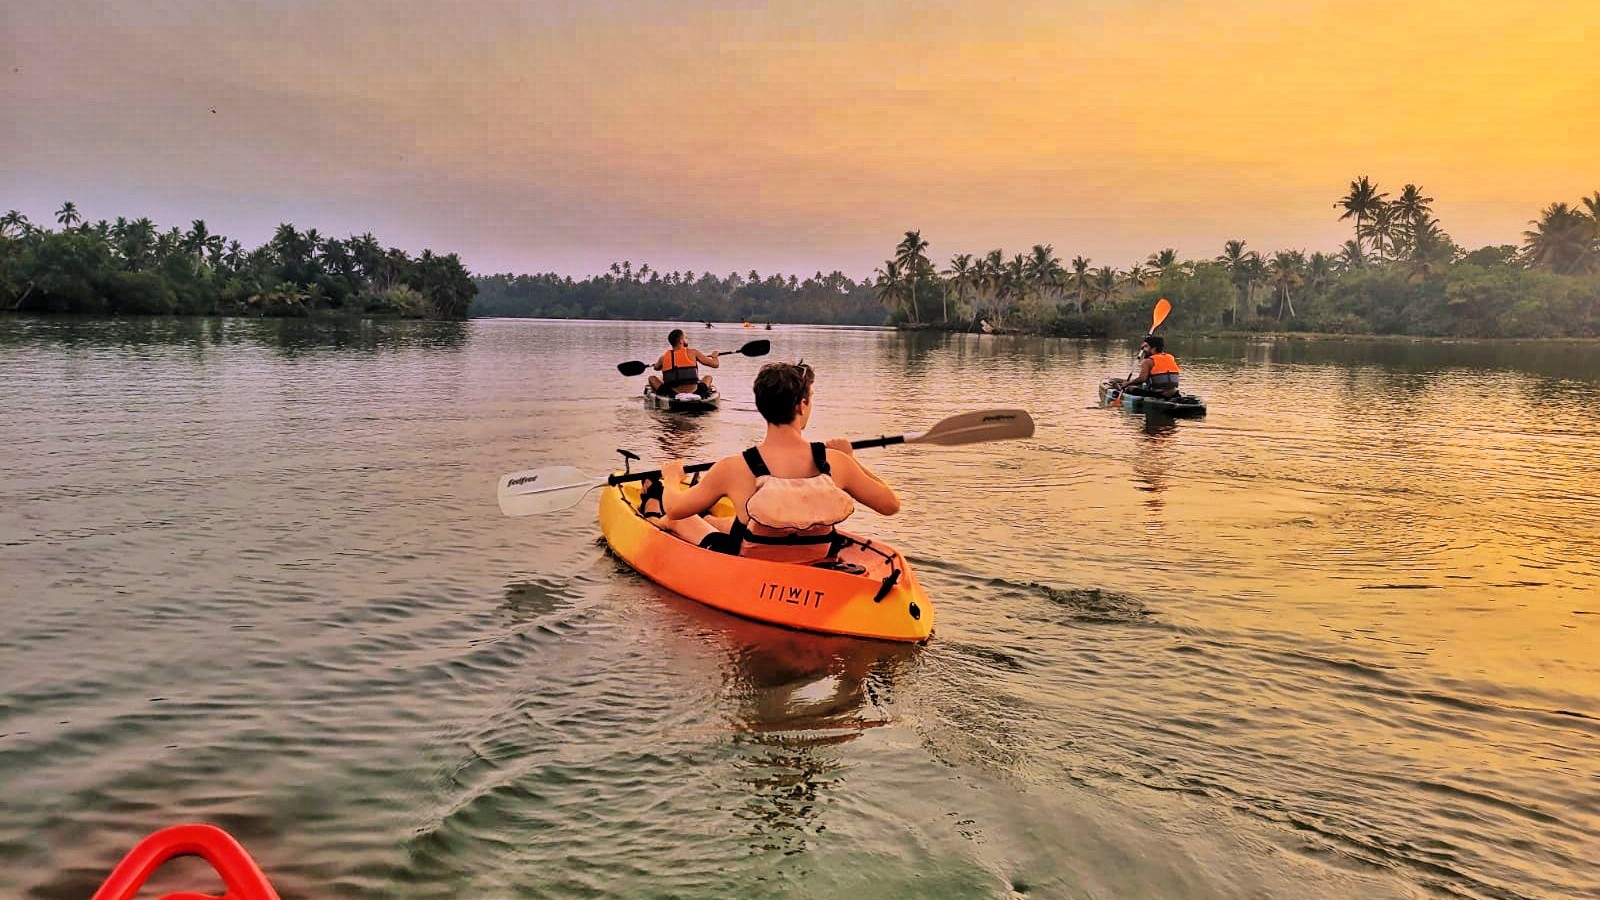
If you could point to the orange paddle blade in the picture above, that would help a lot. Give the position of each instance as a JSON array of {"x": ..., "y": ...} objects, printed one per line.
[{"x": 1160, "y": 314}]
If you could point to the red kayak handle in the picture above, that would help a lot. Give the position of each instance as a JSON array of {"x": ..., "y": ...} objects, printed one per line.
[{"x": 242, "y": 879}]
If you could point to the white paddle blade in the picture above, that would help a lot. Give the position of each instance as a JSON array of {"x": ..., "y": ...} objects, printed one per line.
[
  {"x": 537, "y": 491},
  {"x": 975, "y": 427}
]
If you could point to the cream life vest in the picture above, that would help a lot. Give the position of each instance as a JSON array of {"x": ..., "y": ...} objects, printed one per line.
[{"x": 794, "y": 505}]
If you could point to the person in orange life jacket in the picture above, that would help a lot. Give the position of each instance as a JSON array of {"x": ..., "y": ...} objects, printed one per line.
[
  {"x": 788, "y": 492},
  {"x": 1158, "y": 370},
  {"x": 680, "y": 367}
]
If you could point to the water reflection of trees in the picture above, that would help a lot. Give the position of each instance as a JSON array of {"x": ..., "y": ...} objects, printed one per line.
[
  {"x": 1576, "y": 359},
  {"x": 290, "y": 337}
]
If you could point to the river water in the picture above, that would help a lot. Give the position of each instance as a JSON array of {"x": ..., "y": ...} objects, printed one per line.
[{"x": 1339, "y": 638}]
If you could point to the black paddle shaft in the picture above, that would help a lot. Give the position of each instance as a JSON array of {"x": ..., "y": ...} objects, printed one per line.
[
  {"x": 862, "y": 444},
  {"x": 754, "y": 348}
]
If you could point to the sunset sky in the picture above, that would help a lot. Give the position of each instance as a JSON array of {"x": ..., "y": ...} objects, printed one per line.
[{"x": 796, "y": 136}]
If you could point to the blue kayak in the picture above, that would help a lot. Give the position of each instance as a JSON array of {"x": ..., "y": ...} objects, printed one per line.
[{"x": 1181, "y": 404}]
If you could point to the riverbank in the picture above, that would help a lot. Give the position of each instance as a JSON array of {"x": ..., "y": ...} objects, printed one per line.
[{"x": 1264, "y": 336}]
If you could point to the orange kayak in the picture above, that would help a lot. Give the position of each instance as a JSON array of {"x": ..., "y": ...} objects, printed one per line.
[
  {"x": 867, "y": 590},
  {"x": 241, "y": 877}
]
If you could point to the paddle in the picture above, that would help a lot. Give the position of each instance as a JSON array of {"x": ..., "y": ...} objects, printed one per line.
[
  {"x": 754, "y": 348},
  {"x": 558, "y": 487},
  {"x": 1157, "y": 316}
]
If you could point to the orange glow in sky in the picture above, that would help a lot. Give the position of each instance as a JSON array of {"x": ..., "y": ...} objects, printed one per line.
[{"x": 794, "y": 137}]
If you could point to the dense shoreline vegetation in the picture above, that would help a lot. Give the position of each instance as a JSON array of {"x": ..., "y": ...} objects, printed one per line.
[
  {"x": 131, "y": 268},
  {"x": 1401, "y": 274},
  {"x": 623, "y": 293}
]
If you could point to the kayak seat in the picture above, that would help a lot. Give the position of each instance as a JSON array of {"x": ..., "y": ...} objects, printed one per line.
[
  {"x": 839, "y": 565},
  {"x": 652, "y": 492}
]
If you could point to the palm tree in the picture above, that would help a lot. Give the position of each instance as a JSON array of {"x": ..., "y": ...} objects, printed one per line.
[
  {"x": 1044, "y": 269},
  {"x": 373, "y": 263},
  {"x": 990, "y": 279},
  {"x": 1255, "y": 272},
  {"x": 1562, "y": 240},
  {"x": 1234, "y": 258},
  {"x": 1383, "y": 229},
  {"x": 169, "y": 243},
  {"x": 288, "y": 244},
  {"x": 67, "y": 215},
  {"x": 1286, "y": 272},
  {"x": 912, "y": 256},
  {"x": 195, "y": 241},
  {"x": 890, "y": 285},
  {"x": 13, "y": 220},
  {"x": 1136, "y": 276},
  {"x": 1160, "y": 260},
  {"x": 1104, "y": 283},
  {"x": 960, "y": 275},
  {"x": 1080, "y": 277},
  {"x": 1411, "y": 206},
  {"x": 1592, "y": 205},
  {"x": 1430, "y": 250},
  {"x": 1319, "y": 270},
  {"x": 1362, "y": 201},
  {"x": 1350, "y": 257},
  {"x": 138, "y": 243},
  {"x": 1014, "y": 280}
]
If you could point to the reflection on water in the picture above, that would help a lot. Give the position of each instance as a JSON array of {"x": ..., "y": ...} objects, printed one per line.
[
  {"x": 795, "y": 697},
  {"x": 287, "y": 336},
  {"x": 679, "y": 435},
  {"x": 529, "y": 600},
  {"x": 254, "y": 573},
  {"x": 1152, "y": 467}
]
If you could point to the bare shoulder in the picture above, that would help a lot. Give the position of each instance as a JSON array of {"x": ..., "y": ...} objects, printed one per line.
[
  {"x": 728, "y": 469},
  {"x": 839, "y": 460}
]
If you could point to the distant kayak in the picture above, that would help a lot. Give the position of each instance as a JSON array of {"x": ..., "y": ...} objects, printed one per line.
[
  {"x": 1181, "y": 405},
  {"x": 688, "y": 401},
  {"x": 865, "y": 589}
]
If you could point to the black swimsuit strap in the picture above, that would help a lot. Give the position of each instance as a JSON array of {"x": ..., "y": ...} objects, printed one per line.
[
  {"x": 819, "y": 455},
  {"x": 758, "y": 466}
]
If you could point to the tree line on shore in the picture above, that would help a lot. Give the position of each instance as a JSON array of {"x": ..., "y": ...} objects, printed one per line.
[
  {"x": 624, "y": 292},
  {"x": 1400, "y": 274},
  {"x": 130, "y": 267}
]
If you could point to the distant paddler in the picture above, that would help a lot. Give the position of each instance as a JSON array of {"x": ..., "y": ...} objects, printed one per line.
[
  {"x": 1158, "y": 371},
  {"x": 680, "y": 367}
]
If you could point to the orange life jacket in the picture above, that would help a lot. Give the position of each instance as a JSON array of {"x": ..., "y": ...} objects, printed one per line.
[
  {"x": 1163, "y": 370},
  {"x": 678, "y": 367}
]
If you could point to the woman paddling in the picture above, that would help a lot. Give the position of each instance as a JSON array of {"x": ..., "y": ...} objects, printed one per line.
[{"x": 788, "y": 492}]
